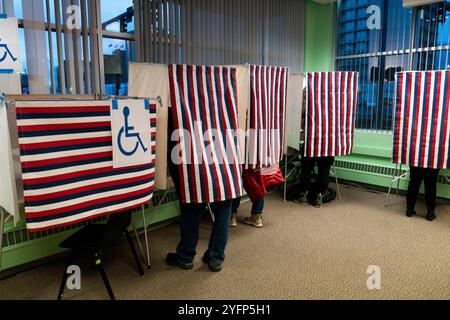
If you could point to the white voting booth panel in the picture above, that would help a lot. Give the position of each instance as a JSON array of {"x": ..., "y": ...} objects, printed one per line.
[
  {"x": 294, "y": 108},
  {"x": 152, "y": 80},
  {"x": 243, "y": 92},
  {"x": 8, "y": 189}
]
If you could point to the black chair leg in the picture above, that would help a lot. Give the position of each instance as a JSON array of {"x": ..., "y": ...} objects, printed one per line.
[
  {"x": 99, "y": 266},
  {"x": 135, "y": 255},
  {"x": 65, "y": 276}
]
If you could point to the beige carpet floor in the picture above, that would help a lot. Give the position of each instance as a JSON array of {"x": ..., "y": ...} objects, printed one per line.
[{"x": 301, "y": 253}]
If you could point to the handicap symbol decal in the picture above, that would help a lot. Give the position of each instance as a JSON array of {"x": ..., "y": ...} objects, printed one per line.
[
  {"x": 127, "y": 131},
  {"x": 6, "y": 53}
]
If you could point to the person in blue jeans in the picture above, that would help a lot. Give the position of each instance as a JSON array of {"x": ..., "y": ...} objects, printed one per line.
[
  {"x": 255, "y": 219},
  {"x": 191, "y": 216}
]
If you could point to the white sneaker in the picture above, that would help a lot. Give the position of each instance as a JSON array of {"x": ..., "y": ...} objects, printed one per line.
[
  {"x": 233, "y": 222},
  {"x": 255, "y": 220}
]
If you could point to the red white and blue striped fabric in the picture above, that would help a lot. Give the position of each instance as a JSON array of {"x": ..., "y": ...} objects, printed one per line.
[
  {"x": 204, "y": 106},
  {"x": 331, "y": 103},
  {"x": 267, "y": 120},
  {"x": 422, "y": 119},
  {"x": 66, "y": 158}
]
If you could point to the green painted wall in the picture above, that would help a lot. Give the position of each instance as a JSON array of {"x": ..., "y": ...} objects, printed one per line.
[
  {"x": 372, "y": 152},
  {"x": 319, "y": 36}
]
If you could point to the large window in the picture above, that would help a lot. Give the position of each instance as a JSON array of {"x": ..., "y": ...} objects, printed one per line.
[
  {"x": 118, "y": 44},
  {"x": 378, "y": 46},
  {"x": 92, "y": 58}
]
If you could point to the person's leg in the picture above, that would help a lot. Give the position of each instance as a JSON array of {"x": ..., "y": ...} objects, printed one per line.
[
  {"x": 323, "y": 178},
  {"x": 416, "y": 177},
  {"x": 234, "y": 210},
  {"x": 215, "y": 255},
  {"x": 191, "y": 216},
  {"x": 236, "y": 204},
  {"x": 305, "y": 180},
  {"x": 258, "y": 206},
  {"x": 431, "y": 178},
  {"x": 256, "y": 219}
]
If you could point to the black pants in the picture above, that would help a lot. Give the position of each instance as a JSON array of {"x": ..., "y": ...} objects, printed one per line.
[
  {"x": 323, "y": 179},
  {"x": 191, "y": 216},
  {"x": 417, "y": 176}
]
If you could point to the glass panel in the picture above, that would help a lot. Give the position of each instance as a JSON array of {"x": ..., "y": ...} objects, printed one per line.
[
  {"x": 433, "y": 30},
  {"x": 376, "y": 87},
  {"x": 18, "y": 9},
  {"x": 117, "y": 54},
  {"x": 398, "y": 26},
  {"x": 354, "y": 35},
  {"x": 118, "y": 15}
]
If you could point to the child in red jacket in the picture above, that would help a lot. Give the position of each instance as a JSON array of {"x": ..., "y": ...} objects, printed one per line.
[{"x": 256, "y": 183}]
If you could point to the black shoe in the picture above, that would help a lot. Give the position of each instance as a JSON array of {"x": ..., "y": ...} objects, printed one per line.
[
  {"x": 319, "y": 201},
  {"x": 302, "y": 199},
  {"x": 212, "y": 268},
  {"x": 410, "y": 213},
  {"x": 173, "y": 261},
  {"x": 431, "y": 216}
]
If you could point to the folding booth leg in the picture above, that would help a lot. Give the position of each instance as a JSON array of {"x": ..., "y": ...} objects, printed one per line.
[
  {"x": 2, "y": 223},
  {"x": 211, "y": 213},
  {"x": 337, "y": 183},
  {"x": 135, "y": 255},
  {"x": 286, "y": 177},
  {"x": 397, "y": 176},
  {"x": 398, "y": 181},
  {"x": 138, "y": 239},
  {"x": 99, "y": 265},
  {"x": 62, "y": 286},
  {"x": 386, "y": 201},
  {"x": 149, "y": 265}
]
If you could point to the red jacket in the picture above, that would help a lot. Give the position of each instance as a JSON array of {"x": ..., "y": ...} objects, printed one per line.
[{"x": 256, "y": 183}]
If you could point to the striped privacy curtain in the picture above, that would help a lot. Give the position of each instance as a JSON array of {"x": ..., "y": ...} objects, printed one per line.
[
  {"x": 422, "y": 119},
  {"x": 205, "y": 117},
  {"x": 268, "y": 91},
  {"x": 331, "y": 102}
]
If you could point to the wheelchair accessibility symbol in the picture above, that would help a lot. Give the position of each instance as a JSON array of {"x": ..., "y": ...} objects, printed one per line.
[
  {"x": 6, "y": 53},
  {"x": 126, "y": 132}
]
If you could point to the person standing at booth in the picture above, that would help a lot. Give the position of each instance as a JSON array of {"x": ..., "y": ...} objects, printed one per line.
[
  {"x": 203, "y": 157},
  {"x": 417, "y": 176},
  {"x": 308, "y": 164},
  {"x": 191, "y": 217}
]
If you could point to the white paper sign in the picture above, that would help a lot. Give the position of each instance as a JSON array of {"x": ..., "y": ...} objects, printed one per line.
[
  {"x": 8, "y": 190},
  {"x": 9, "y": 46},
  {"x": 130, "y": 123}
]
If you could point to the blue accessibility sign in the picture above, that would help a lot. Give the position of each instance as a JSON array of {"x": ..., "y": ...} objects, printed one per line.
[
  {"x": 127, "y": 132},
  {"x": 7, "y": 53}
]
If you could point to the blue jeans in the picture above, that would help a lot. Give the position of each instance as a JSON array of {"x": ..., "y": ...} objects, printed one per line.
[
  {"x": 191, "y": 216},
  {"x": 257, "y": 207}
]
